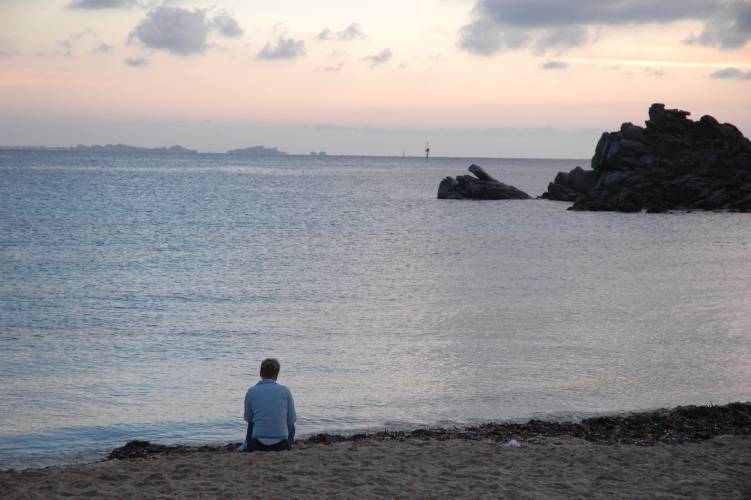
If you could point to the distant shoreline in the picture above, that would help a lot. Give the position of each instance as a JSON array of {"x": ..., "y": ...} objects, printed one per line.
[
  {"x": 125, "y": 148},
  {"x": 179, "y": 150}
]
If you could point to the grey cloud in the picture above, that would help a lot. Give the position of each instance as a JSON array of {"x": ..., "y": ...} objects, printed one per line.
[
  {"x": 226, "y": 25},
  {"x": 382, "y": 57},
  {"x": 729, "y": 28},
  {"x": 561, "y": 38},
  {"x": 181, "y": 31},
  {"x": 484, "y": 38},
  {"x": 351, "y": 32},
  {"x": 554, "y": 13},
  {"x": 136, "y": 62},
  {"x": 334, "y": 69},
  {"x": 67, "y": 46},
  {"x": 731, "y": 74},
  {"x": 285, "y": 48},
  {"x": 499, "y": 25},
  {"x": 104, "y": 48},
  {"x": 554, "y": 65},
  {"x": 101, "y": 4}
]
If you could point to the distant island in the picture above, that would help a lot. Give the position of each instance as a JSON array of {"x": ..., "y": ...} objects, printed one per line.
[
  {"x": 257, "y": 151},
  {"x": 107, "y": 148},
  {"x": 124, "y": 148}
]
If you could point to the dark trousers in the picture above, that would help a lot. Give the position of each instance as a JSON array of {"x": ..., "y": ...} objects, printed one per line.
[{"x": 255, "y": 445}]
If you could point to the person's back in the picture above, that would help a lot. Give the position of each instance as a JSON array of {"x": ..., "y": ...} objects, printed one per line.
[{"x": 269, "y": 411}]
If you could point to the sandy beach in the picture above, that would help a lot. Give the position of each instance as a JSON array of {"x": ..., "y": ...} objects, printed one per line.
[
  {"x": 549, "y": 467},
  {"x": 703, "y": 452}
]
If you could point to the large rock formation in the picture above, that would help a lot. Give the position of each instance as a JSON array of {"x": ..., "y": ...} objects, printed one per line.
[
  {"x": 673, "y": 163},
  {"x": 484, "y": 187}
]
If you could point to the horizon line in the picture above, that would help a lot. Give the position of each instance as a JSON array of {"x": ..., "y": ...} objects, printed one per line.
[{"x": 157, "y": 149}]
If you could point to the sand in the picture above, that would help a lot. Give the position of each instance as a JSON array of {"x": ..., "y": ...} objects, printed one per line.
[{"x": 719, "y": 467}]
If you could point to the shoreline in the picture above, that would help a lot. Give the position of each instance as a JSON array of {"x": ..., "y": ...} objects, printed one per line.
[
  {"x": 679, "y": 425},
  {"x": 692, "y": 450}
]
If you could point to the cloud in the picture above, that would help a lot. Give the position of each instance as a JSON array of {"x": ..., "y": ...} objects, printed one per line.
[
  {"x": 67, "y": 46},
  {"x": 351, "y": 32},
  {"x": 498, "y": 25},
  {"x": 729, "y": 28},
  {"x": 181, "y": 31},
  {"x": 554, "y": 65},
  {"x": 556, "y": 14},
  {"x": 104, "y": 48},
  {"x": 334, "y": 69},
  {"x": 485, "y": 38},
  {"x": 226, "y": 25},
  {"x": 655, "y": 72},
  {"x": 381, "y": 58},
  {"x": 285, "y": 48},
  {"x": 731, "y": 74},
  {"x": 176, "y": 30},
  {"x": 561, "y": 38},
  {"x": 101, "y": 4},
  {"x": 136, "y": 62}
]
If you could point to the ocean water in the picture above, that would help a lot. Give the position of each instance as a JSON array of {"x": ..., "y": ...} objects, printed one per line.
[{"x": 138, "y": 294}]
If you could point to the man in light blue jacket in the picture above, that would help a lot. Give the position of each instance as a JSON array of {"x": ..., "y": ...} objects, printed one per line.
[{"x": 270, "y": 412}]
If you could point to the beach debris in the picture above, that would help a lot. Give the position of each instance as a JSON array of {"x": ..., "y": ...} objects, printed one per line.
[
  {"x": 483, "y": 187},
  {"x": 684, "y": 424},
  {"x": 141, "y": 449},
  {"x": 513, "y": 443},
  {"x": 672, "y": 163}
]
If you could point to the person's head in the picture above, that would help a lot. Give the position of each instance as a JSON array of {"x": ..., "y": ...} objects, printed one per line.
[{"x": 270, "y": 368}]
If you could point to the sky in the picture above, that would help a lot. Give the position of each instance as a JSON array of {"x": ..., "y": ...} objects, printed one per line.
[{"x": 503, "y": 78}]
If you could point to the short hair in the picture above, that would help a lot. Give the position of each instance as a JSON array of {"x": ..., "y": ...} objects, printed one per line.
[{"x": 269, "y": 368}]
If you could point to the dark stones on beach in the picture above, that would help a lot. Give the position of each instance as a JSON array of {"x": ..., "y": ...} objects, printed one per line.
[
  {"x": 684, "y": 424},
  {"x": 141, "y": 449},
  {"x": 483, "y": 187},
  {"x": 672, "y": 163}
]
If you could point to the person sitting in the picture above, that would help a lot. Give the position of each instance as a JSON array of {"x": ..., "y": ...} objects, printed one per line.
[{"x": 269, "y": 412}]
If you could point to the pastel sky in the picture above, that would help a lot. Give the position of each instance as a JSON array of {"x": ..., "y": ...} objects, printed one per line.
[{"x": 526, "y": 78}]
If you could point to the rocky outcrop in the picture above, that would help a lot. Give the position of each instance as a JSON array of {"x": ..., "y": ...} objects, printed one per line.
[
  {"x": 672, "y": 163},
  {"x": 483, "y": 187}
]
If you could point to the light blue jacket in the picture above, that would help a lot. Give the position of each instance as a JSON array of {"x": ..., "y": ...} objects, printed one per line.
[{"x": 270, "y": 408}]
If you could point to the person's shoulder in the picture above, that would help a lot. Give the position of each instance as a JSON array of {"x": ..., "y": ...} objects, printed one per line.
[{"x": 284, "y": 388}]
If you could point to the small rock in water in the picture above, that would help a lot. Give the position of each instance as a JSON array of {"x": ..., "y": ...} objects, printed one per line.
[{"x": 481, "y": 187}]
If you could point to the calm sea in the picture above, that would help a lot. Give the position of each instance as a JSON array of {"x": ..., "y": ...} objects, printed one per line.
[{"x": 138, "y": 294}]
